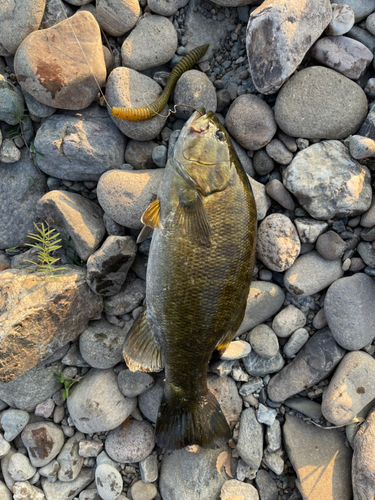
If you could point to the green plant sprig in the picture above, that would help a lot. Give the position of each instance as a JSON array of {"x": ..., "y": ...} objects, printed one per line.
[
  {"x": 68, "y": 384},
  {"x": 46, "y": 242}
]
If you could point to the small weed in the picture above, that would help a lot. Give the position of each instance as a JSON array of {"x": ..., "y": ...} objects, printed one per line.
[
  {"x": 68, "y": 384},
  {"x": 46, "y": 243},
  {"x": 77, "y": 261},
  {"x": 35, "y": 182}
]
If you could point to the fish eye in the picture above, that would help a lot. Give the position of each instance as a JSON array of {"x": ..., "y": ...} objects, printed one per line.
[{"x": 220, "y": 135}]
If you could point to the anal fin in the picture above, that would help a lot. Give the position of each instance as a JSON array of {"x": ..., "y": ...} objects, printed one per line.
[
  {"x": 193, "y": 219},
  {"x": 141, "y": 352}
]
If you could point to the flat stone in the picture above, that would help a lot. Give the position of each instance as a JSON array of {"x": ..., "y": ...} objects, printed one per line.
[
  {"x": 266, "y": 485},
  {"x": 236, "y": 350},
  {"x": 257, "y": 366},
  {"x": 362, "y": 464},
  {"x": 60, "y": 490},
  {"x": 314, "y": 362},
  {"x": 288, "y": 321},
  {"x": 13, "y": 422},
  {"x": 320, "y": 459},
  {"x": 133, "y": 445},
  {"x": 264, "y": 341},
  {"x": 143, "y": 491},
  {"x": 43, "y": 441},
  {"x": 309, "y": 229},
  {"x": 349, "y": 311},
  {"x": 118, "y": 17},
  {"x": 262, "y": 200},
  {"x": 306, "y": 407},
  {"x": 296, "y": 341},
  {"x": 250, "y": 439},
  {"x": 225, "y": 391},
  {"x": 310, "y": 105},
  {"x": 108, "y": 481},
  {"x": 236, "y": 489},
  {"x": 69, "y": 460}
]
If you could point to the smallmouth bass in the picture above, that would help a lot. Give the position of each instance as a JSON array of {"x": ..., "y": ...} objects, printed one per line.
[{"x": 198, "y": 278}]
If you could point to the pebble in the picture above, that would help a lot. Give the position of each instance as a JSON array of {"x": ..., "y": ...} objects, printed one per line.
[
  {"x": 130, "y": 297},
  {"x": 264, "y": 341},
  {"x": 226, "y": 393},
  {"x": 262, "y": 200},
  {"x": 310, "y": 105},
  {"x": 133, "y": 384},
  {"x": 69, "y": 460},
  {"x": 330, "y": 246},
  {"x": 139, "y": 154},
  {"x": 368, "y": 234},
  {"x": 251, "y": 122},
  {"x": 20, "y": 468},
  {"x": 349, "y": 311},
  {"x": 288, "y": 321},
  {"x": 356, "y": 265},
  {"x": 5, "y": 494},
  {"x": 133, "y": 445},
  {"x": 4, "y": 446},
  {"x": 361, "y": 8},
  {"x": 88, "y": 448},
  {"x": 305, "y": 406},
  {"x": 149, "y": 401},
  {"x": 45, "y": 409},
  {"x": 279, "y": 152},
  {"x": 251, "y": 386},
  {"x": 60, "y": 490},
  {"x": 342, "y": 20},
  {"x": 166, "y": 7},
  {"x": 43, "y": 441},
  {"x": 266, "y": 415},
  {"x": 263, "y": 164},
  {"x": 159, "y": 156},
  {"x": 13, "y": 422},
  {"x": 234, "y": 489},
  {"x": 236, "y": 350},
  {"x": 9, "y": 153},
  {"x": 314, "y": 362},
  {"x": 250, "y": 439},
  {"x": 108, "y": 482},
  {"x": 194, "y": 89},
  {"x": 362, "y": 463},
  {"x": 309, "y": 229},
  {"x": 23, "y": 490},
  {"x": 367, "y": 253},
  {"x": 307, "y": 444},
  {"x": 266, "y": 485},
  {"x": 118, "y": 17},
  {"x": 148, "y": 467},
  {"x": 255, "y": 365},
  {"x": 273, "y": 436},
  {"x": 368, "y": 218},
  {"x": 143, "y": 491},
  {"x": 279, "y": 193},
  {"x": 310, "y": 274},
  {"x": 350, "y": 389},
  {"x": 361, "y": 147},
  {"x": 296, "y": 341}
]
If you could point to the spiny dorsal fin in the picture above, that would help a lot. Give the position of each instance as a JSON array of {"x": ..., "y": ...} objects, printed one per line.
[
  {"x": 151, "y": 216},
  {"x": 193, "y": 219}
]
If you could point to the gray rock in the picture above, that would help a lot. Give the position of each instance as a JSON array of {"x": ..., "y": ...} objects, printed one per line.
[
  {"x": 24, "y": 489},
  {"x": 18, "y": 200},
  {"x": 73, "y": 357},
  {"x": 256, "y": 365},
  {"x": 13, "y": 422},
  {"x": 60, "y": 490},
  {"x": 192, "y": 476},
  {"x": 279, "y": 193},
  {"x": 132, "y": 446},
  {"x": 264, "y": 300},
  {"x": 309, "y": 446},
  {"x": 36, "y": 108},
  {"x": 4, "y": 492},
  {"x": 96, "y": 403},
  {"x": 237, "y": 489},
  {"x": 314, "y": 362},
  {"x": 43, "y": 441},
  {"x": 166, "y": 7},
  {"x": 194, "y": 89},
  {"x": 273, "y": 436},
  {"x": 45, "y": 409},
  {"x": 31, "y": 388},
  {"x": 9, "y": 153},
  {"x": 310, "y": 105},
  {"x": 250, "y": 439},
  {"x": 251, "y": 386},
  {"x": 118, "y": 17},
  {"x": 69, "y": 460},
  {"x": 278, "y": 244},
  {"x": 153, "y": 42},
  {"x": 113, "y": 229},
  {"x": 63, "y": 209},
  {"x": 139, "y": 154},
  {"x": 127, "y": 88},
  {"x": 367, "y": 253},
  {"x": 4, "y": 469},
  {"x": 246, "y": 162},
  {"x": 108, "y": 481},
  {"x": 149, "y": 401},
  {"x": 288, "y": 321},
  {"x": 142, "y": 491},
  {"x": 133, "y": 384},
  {"x": 251, "y": 122},
  {"x": 159, "y": 155},
  {"x": 279, "y": 152},
  {"x": 306, "y": 407},
  {"x": 266, "y": 485},
  {"x": 351, "y": 388},
  {"x": 263, "y": 163},
  {"x": 262, "y": 200},
  {"x": 79, "y": 147},
  {"x": 124, "y": 196},
  {"x": 368, "y": 218},
  {"x": 88, "y": 448},
  {"x": 130, "y": 297},
  {"x": 273, "y": 53},
  {"x": 264, "y": 341},
  {"x": 11, "y": 100},
  {"x": 362, "y": 464},
  {"x": 266, "y": 415},
  {"x": 4, "y": 446},
  {"x": 274, "y": 461},
  {"x": 343, "y": 54},
  {"x": 309, "y": 229},
  {"x": 148, "y": 468},
  {"x": 225, "y": 391},
  {"x": 368, "y": 127},
  {"x": 322, "y": 176},
  {"x": 310, "y": 274},
  {"x": 20, "y": 468},
  {"x": 296, "y": 341},
  {"x": 361, "y": 8},
  {"x": 361, "y": 147},
  {"x": 330, "y": 245},
  {"x": 54, "y": 13},
  {"x": 244, "y": 471},
  {"x": 342, "y": 20},
  {"x": 101, "y": 344}
]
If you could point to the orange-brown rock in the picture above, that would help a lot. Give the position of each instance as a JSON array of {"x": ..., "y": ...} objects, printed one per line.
[
  {"x": 39, "y": 314},
  {"x": 51, "y": 66}
]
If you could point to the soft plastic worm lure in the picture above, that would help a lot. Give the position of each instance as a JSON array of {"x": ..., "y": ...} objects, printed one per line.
[{"x": 147, "y": 112}]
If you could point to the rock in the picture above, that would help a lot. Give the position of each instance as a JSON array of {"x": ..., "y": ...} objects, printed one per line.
[
  {"x": 149, "y": 401},
  {"x": 367, "y": 253},
  {"x": 148, "y": 468},
  {"x": 278, "y": 244},
  {"x": 342, "y": 20},
  {"x": 273, "y": 53},
  {"x": 278, "y": 192},
  {"x": 4, "y": 448},
  {"x": 264, "y": 341},
  {"x": 266, "y": 485},
  {"x": 194, "y": 89},
  {"x": 310, "y": 105},
  {"x": 310, "y": 274},
  {"x": 133, "y": 384},
  {"x": 368, "y": 218},
  {"x": 45, "y": 327},
  {"x": 4, "y": 492},
  {"x": 225, "y": 391},
  {"x": 309, "y": 229},
  {"x": 251, "y": 122},
  {"x": 9, "y": 152},
  {"x": 108, "y": 267},
  {"x": 133, "y": 445},
  {"x": 320, "y": 459},
  {"x": 236, "y": 350},
  {"x": 4, "y": 469},
  {"x": 305, "y": 406},
  {"x": 330, "y": 246},
  {"x": 264, "y": 300},
  {"x": 108, "y": 481},
  {"x": 327, "y": 182},
  {"x": 361, "y": 8},
  {"x": 128, "y": 299},
  {"x": 263, "y": 163},
  {"x": 256, "y": 365},
  {"x": 54, "y": 13},
  {"x": 288, "y": 321},
  {"x": 274, "y": 461},
  {"x": 89, "y": 448},
  {"x": 96, "y": 403},
  {"x": 26, "y": 491},
  {"x": 139, "y": 154},
  {"x": 165, "y": 7},
  {"x": 125, "y": 195},
  {"x": 34, "y": 386},
  {"x": 362, "y": 36},
  {"x": 142, "y": 491},
  {"x": 45, "y": 409},
  {"x": 236, "y": 489},
  {"x": 266, "y": 415},
  {"x": 349, "y": 310},
  {"x": 351, "y": 388},
  {"x": 20, "y": 468},
  {"x": 314, "y": 362},
  {"x": 160, "y": 156},
  {"x": 279, "y": 152},
  {"x": 361, "y": 147},
  {"x": 251, "y": 386},
  {"x": 118, "y": 17},
  {"x": 296, "y": 341},
  {"x": 36, "y": 108},
  {"x": 73, "y": 357},
  {"x": 343, "y": 54},
  {"x": 250, "y": 439},
  {"x": 101, "y": 344},
  {"x": 19, "y": 200},
  {"x": 273, "y": 436},
  {"x": 43, "y": 441},
  {"x": 11, "y": 100},
  {"x": 80, "y": 146},
  {"x": 362, "y": 464},
  {"x": 18, "y": 20},
  {"x": 191, "y": 476},
  {"x": 13, "y": 422},
  {"x": 262, "y": 200},
  {"x": 60, "y": 490},
  {"x": 69, "y": 460}
]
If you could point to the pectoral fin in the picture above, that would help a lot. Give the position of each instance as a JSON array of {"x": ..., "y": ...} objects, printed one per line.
[
  {"x": 151, "y": 220},
  {"x": 192, "y": 217},
  {"x": 141, "y": 352}
]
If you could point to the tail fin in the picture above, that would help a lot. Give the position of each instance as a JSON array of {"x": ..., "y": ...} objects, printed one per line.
[{"x": 201, "y": 423}]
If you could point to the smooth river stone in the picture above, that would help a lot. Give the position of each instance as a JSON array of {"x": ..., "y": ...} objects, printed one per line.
[
  {"x": 363, "y": 464},
  {"x": 351, "y": 388},
  {"x": 319, "y": 103},
  {"x": 314, "y": 362}
]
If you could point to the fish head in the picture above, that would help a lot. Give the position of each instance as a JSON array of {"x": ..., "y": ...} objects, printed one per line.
[{"x": 203, "y": 154}]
